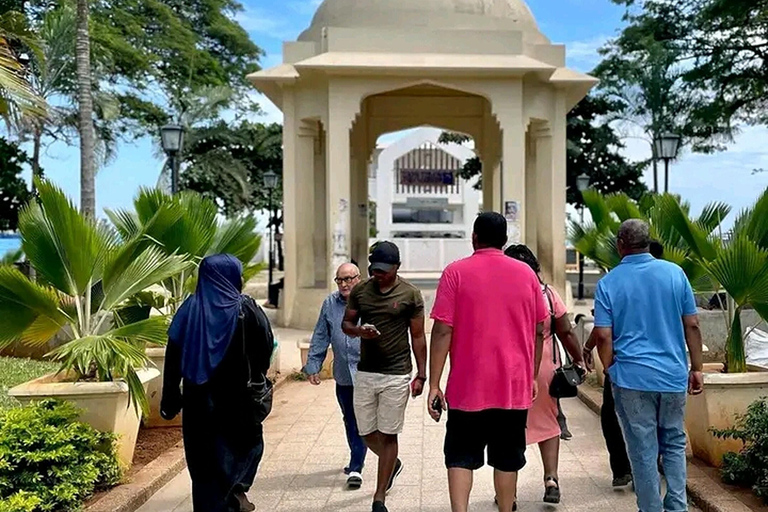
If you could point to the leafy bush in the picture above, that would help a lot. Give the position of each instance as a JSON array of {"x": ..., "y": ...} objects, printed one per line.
[
  {"x": 749, "y": 468},
  {"x": 51, "y": 462}
]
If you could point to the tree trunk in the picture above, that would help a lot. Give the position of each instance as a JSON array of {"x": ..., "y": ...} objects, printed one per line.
[
  {"x": 37, "y": 143},
  {"x": 85, "y": 100}
]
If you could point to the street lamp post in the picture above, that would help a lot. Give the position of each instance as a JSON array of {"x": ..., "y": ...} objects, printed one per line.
[
  {"x": 582, "y": 183},
  {"x": 667, "y": 146},
  {"x": 172, "y": 140},
  {"x": 270, "y": 183}
]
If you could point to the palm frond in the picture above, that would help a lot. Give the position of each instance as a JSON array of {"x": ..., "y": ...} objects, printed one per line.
[
  {"x": 126, "y": 223},
  {"x": 624, "y": 207},
  {"x": 153, "y": 330},
  {"x": 237, "y": 237},
  {"x": 65, "y": 247},
  {"x": 696, "y": 239},
  {"x": 600, "y": 211},
  {"x": 113, "y": 357},
  {"x": 753, "y": 222},
  {"x": 712, "y": 216},
  {"x": 742, "y": 270},
  {"x": 150, "y": 267},
  {"x": 30, "y": 312}
]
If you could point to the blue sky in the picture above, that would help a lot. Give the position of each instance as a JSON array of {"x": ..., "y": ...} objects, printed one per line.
[{"x": 583, "y": 25}]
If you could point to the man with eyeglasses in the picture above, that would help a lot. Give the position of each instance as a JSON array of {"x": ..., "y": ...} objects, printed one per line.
[{"x": 346, "y": 355}]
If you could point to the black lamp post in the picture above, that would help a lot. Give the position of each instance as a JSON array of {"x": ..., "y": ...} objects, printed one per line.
[
  {"x": 172, "y": 140},
  {"x": 582, "y": 183},
  {"x": 270, "y": 183},
  {"x": 667, "y": 146}
]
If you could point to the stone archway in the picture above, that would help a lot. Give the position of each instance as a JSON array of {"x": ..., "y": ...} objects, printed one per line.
[{"x": 351, "y": 77}]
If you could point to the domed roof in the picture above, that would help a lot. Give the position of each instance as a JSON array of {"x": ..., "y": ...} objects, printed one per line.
[{"x": 506, "y": 15}]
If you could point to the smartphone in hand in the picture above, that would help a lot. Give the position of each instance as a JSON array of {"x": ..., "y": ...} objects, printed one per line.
[{"x": 437, "y": 406}]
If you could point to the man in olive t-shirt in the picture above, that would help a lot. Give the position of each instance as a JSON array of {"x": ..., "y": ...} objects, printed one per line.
[{"x": 387, "y": 308}]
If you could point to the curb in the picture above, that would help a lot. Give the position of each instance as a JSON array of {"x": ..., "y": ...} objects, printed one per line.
[
  {"x": 152, "y": 477},
  {"x": 706, "y": 493}
]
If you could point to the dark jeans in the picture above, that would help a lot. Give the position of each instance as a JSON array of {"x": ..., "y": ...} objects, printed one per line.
[
  {"x": 357, "y": 447},
  {"x": 614, "y": 439}
]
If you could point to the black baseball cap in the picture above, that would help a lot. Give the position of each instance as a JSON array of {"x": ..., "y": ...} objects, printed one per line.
[{"x": 384, "y": 257}]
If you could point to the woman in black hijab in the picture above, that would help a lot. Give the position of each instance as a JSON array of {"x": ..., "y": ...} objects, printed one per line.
[{"x": 214, "y": 337}]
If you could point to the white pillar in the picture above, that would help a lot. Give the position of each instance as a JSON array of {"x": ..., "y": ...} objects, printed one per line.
[
  {"x": 305, "y": 202},
  {"x": 551, "y": 196},
  {"x": 509, "y": 111},
  {"x": 339, "y": 197},
  {"x": 291, "y": 213},
  {"x": 531, "y": 204},
  {"x": 320, "y": 238},
  {"x": 359, "y": 191}
]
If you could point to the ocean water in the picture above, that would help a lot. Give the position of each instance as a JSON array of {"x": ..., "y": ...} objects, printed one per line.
[{"x": 9, "y": 244}]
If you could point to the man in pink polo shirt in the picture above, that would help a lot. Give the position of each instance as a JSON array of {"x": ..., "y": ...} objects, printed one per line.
[{"x": 489, "y": 314}]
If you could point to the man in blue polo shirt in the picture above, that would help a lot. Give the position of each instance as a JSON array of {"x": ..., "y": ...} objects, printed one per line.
[{"x": 645, "y": 315}]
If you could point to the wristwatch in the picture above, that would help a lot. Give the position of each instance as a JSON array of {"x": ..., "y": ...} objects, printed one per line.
[{"x": 422, "y": 379}]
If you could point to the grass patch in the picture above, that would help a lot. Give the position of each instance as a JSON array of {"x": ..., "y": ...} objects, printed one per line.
[{"x": 15, "y": 371}]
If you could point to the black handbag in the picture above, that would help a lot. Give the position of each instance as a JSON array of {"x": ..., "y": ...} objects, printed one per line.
[
  {"x": 261, "y": 391},
  {"x": 567, "y": 376}
]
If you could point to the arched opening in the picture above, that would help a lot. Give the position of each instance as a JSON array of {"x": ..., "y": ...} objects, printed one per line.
[{"x": 420, "y": 198}]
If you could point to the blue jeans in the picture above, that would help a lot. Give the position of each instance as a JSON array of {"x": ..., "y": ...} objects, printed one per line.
[
  {"x": 653, "y": 425},
  {"x": 357, "y": 446}
]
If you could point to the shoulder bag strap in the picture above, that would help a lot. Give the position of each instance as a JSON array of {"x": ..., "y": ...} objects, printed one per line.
[{"x": 242, "y": 335}]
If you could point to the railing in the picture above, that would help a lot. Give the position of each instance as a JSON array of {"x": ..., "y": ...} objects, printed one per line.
[{"x": 430, "y": 255}]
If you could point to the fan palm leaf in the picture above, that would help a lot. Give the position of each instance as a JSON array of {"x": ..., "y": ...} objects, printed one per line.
[{"x": 30, "y": 312}]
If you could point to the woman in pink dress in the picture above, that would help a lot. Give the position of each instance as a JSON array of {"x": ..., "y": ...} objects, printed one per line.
[{"x": 543, "y": 427}]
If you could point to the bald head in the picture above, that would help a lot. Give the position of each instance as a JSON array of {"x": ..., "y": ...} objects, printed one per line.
[
  {"x": 347, "y": 276},
  {"x": 634, "y": 237}
]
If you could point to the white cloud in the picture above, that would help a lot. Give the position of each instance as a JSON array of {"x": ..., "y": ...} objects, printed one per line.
[
  {"x": 583, "y": 55},
  {"x": 256, "y": 21}
]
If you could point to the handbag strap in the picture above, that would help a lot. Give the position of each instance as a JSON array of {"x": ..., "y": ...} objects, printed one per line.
[{"x": 553, "y": 331}]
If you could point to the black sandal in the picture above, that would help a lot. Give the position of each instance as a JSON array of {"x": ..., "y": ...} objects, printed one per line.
[{"x": 551, "y": 492}]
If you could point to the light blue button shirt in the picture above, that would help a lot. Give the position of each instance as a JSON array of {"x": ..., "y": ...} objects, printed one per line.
[
  {"x": 346, "y": 350},
  {"x": 643, "y": 301}
]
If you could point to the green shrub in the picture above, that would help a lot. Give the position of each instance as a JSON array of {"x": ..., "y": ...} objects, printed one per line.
[
  {"x": 51, "y": 462},
  {"x": 749, "y": 468}
]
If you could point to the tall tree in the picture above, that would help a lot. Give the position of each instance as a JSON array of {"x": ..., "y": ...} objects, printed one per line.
[
  {"x": 13, "y": 189},
  {"x": 85, "y": 112},
  {"x": 227, "y": 162},
  {"x": 642, "y": 71},
  {"x": 593, "y": 149}
]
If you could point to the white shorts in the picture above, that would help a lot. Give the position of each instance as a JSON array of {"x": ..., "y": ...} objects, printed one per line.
[{"x": 380, "y": 401}]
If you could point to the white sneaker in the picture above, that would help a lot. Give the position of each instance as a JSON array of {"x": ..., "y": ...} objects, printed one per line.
[{"x": 354, "y": 481}]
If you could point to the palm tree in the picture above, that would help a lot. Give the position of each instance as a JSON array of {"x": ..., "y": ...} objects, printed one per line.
[
  {"x": 740, "y": 267},
  {"x": 185, "y": 224},
  {"x": 17, "y": 98},
  {"x": 86, "y": 275},
  {"x": 85, "y": 116}
]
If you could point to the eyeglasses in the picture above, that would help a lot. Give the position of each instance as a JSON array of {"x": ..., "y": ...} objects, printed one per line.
[{"x": 346, "y": 280}]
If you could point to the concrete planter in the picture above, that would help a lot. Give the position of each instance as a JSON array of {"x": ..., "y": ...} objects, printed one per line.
[
  {"x": 725, "y": 396},
  {"x": 105, "y": 405},
  {"x": 327, "y": 371},
  {"x": 155, "y": 392}
]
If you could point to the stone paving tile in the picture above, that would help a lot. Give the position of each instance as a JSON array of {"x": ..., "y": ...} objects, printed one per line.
[{"x": 306, "y": 451}]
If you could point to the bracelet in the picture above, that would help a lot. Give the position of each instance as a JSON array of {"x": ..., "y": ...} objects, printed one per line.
[{"x": 422, "y": 379}]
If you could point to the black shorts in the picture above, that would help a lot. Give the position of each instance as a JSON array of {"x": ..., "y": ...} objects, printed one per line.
[{"x": 501, "y": 431}]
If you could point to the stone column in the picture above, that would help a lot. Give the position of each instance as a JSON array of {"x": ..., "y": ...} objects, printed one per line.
[
  {"x": 339, "y": 196},
  {"x": 551, "y": 189},
  {"x": 305, "y": 203},
  {"x": 359, "y": 190},
  {"x": 320, "y": 236},
  {"x": 531, "y": 205},
  {"x": 291, "y": 206},
  {"x": 491, "y": 155},
  {"x": 511, "y": 118}
]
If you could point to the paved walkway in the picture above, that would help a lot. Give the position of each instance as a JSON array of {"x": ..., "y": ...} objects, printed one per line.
[{"x": 306, "y": 451}]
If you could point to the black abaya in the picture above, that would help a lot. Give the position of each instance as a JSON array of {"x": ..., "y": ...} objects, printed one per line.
[{"x": 222, "y": 441}]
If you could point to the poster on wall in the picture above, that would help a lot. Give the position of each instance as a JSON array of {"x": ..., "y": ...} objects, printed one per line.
[
  {"x": 511, "y": 209},
  {"x": 512, "y": 215}
]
